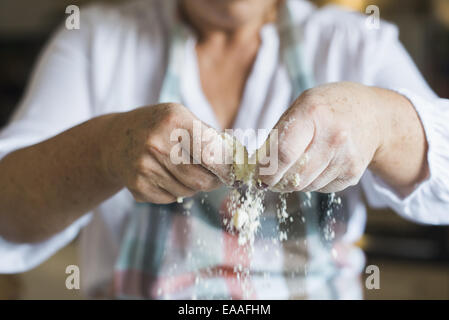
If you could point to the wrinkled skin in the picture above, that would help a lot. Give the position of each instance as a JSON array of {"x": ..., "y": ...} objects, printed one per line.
[
  {"x": 141, "y": 161},
  {"x": 335, "y": 132},
  {"x": 328, "y": 137}
]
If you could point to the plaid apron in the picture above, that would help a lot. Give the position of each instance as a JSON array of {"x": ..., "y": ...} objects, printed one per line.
[{"x": 184, "y": 251}]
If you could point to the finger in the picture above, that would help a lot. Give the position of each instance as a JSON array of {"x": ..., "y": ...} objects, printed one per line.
[
  {"x": 337, "y": 185},
  {"x": 348, "y": 177},
  {"x": 294, "y": 134},
  {"x": 160, "y": 177},
  {"x": 152, "y": 194},
  {"x": 207, "y": 148},
  {"x": 193, "y": 176},
  {"x": 324, "y": 179},
  {"x": 217, "y": 154},
  {"x": 159, "y": 196},
  {"x": 308, "y": 168},
  {"x": 196, "y": 177},
  {"x": 168, "y": 182}
]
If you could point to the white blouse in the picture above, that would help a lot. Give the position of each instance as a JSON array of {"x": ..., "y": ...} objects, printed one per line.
[{"x": 116, "y": 62}]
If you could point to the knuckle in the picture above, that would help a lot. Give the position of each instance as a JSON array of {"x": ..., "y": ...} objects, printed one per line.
[
  {"x": 170, "y": 118},
  {"x": 319, "y": 115},
  {"x": 340, "y": 136},
  {"x": 140, "y": 165},
  {"x": 353, "y": 172},
  {"x": 313, "y": 109},
  {"x": 313, "y": 103},
  {"x": 309, "y": 96},
  {"x": 155, "y": 145},
  {"x": 286, "y": 156},
  {"x": 354, "y": 180},
  {"x": 350, "y": 172},
  {"x": 151, "y": 140},
  {"x": 137, "y": 185},
  {"x": 172, "y": 112}
]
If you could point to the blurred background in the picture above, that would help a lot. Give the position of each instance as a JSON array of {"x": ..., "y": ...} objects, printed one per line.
[{"x": 413, "y": 259}]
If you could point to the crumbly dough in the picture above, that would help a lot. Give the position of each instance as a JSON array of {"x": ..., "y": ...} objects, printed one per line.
[{"x": 246, "y": 203}]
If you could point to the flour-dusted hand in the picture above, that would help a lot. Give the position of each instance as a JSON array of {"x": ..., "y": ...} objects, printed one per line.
[
  {"x": 152, "y": 153},
  {"x": 332, "y": 133}
]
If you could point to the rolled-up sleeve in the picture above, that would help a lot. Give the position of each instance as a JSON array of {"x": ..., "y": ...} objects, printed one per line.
[
  {"x": 392, "y": 68},
  {"x": 57, "y": 98}
]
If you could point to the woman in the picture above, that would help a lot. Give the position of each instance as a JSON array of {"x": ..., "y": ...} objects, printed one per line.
[{"x": 358, "y": 111}]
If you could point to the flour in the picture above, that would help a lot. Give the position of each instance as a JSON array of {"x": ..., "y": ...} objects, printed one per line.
[
  {"x": 188, "y": 205},
  {"x": 285, "y": 125},
  {"x": 243, "y": 167},
  {"x": 246, "y": 202},
  {"x": 333, "y": 202},
  {"x": 282, "y": 236},
  {"x": 246, "y": 205}
]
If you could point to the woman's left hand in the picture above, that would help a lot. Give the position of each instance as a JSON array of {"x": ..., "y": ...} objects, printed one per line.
[{"x": 332, "y": 133}]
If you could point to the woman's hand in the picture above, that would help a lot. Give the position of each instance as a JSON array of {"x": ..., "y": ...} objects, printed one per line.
[
  {"x": 76, "y": 170},
  {"x": 139, "y": 154},
  {"x": 332, "y": 133}
]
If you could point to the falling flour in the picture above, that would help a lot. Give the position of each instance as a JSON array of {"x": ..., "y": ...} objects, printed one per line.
[
  {"x": 246, "y": 205},
  {"x": 246, "y": 202}
]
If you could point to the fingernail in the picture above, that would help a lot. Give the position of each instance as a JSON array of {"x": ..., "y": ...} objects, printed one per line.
[{"x": 237, "y": 184}]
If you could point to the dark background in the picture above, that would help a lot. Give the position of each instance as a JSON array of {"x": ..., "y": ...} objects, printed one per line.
[{"x": 413, "y": 259}]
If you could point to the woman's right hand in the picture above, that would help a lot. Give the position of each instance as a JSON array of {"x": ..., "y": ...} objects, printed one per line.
[{"x": 138, "y": 151}]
